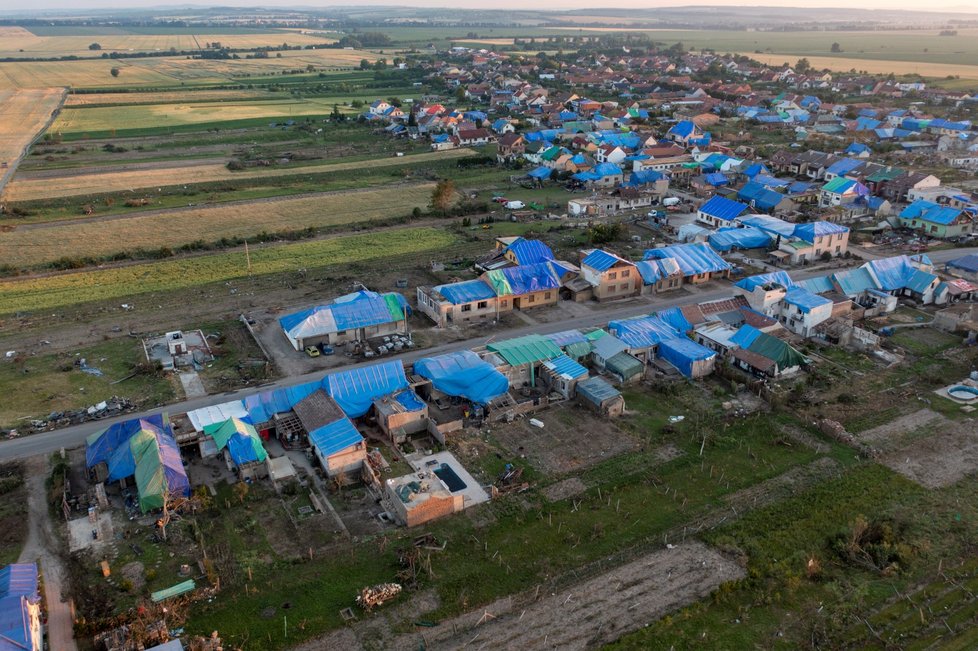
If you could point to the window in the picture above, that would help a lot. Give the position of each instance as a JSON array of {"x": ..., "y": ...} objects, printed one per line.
[
  {"x": 482, "y": 305},
  {"x": 624, "y": 273},
  {"x": 623, "y": 287},
  {"x": 467, "y": 307},
  {"x": 531, "y": 298},
  {"x": 546, "y": 296},
  {"x": 612, "y": 275},
  {"x": 837, "y": 249},
  {"x": 503, "y": 303}
]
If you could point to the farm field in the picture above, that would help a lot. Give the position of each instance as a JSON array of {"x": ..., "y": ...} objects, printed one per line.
[
  {"x": 24, "y": 44},
  {"x": 131, "y": 281},
  {"x": 168, "y": 97},
  {"x": 873, "y": 66},
  {"x": 173, "y": 229},
  {"x": 23, "y": 114},
  {"x": 167, "y": 71},
  {"x": 74, "y": 185}
]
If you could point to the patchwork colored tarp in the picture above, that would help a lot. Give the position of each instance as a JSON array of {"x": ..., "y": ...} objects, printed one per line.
[
  {"x": 463, "y": 374},
  {"x": 693, "y": 259},
  {"x": 683, "y": 353},
  {"x": 335, "y": 437},
  {"x": 354, "y": 390},
  {"x": 240, "y": 438},
  {"x": 159, "y": 469},
  {"x": 100, "y": 446},
  {"x": 761, "y": 343},
  {"x": 524, "y": 279}
]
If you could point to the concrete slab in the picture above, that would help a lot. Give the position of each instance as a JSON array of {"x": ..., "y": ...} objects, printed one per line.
[
  {"x": 193, "y": 387},
  {"x": 472, "y": 493},
  {"x": 80, "y": 532}
]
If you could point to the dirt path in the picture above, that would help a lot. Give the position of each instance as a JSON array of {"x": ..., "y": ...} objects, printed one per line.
[{"x": 41, "y": 547}]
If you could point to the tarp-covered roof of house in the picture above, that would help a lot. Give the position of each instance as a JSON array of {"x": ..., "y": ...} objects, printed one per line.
[
  {"x": 759, "y": 196},
  {"x": 855, "y": 281},
  {"x": 967, "y": 263},
  {"x": 693, "y": 259},
  {"x": 263, "y": 406},
  {"x": 541, "y": 173},
  {"x": 779, "y": 277},
  {"x": 624, "y": 366},
  {"x": 335, "y": 437},
  {"x": 600, "y": 260},
  {"x": 893, "y": 273},
  {"x": 567, "y": 337},
  {"x": 240, "y": 438},
  {"x": 529, "y": 251},
  {"x": 804, "y": 299},
  {"x": 102, "y": 445},
  {"x": 931, "y": 212},
  {"x": 643, "y": 177},
  {"x": 770, "y": 181},
  {"x": 466, "y": 291},
  {"x": 683, "y": 353},
  {"x": 683, "y": 129},
  {"x": 726, "y": 239},
  {"x": 770, "y": 224},
  {"x": 565, "y": 366},
  {"x": 606, "y": 169},
  {"x": 723, "y": 208},
  {"x": 159, "y": 470},
  {"x": 525, "y": 350},
  {"x": 810, "y": 230},
  {"x": 18, "y": 587},
  {"x": 643, "y": 331},
  {"x": 716, "y": 179},
  {"x": 818, "y": 284},
  {"x": 607, "y": 345},
  {"x": 463, "y": 374},
  {"x": 523, "y": 279},
  {"x": 761, "y": 343},
  {"x": 920, "y": 281},
  {"x": 754, "y": 169},
  {"x": 596, "y": 390},
  {"x": 674, "y": 317},
  {"x": 357, "y": 310},
  {"x": 354, "y": 390}
]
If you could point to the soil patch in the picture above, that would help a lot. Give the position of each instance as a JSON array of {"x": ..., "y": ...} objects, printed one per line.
[
  {"x": 564, "y": 489},
  {"x": 940, "y": 459},
  {"x": 899, "y": 427},
  {"x": 571, "y": 439}
]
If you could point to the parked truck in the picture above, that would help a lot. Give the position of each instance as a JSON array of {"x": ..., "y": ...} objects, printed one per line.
[{"x": 671, "y": 201}]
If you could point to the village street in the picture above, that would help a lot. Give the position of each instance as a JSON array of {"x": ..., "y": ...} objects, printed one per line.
[{"x": 74, "y": 436}]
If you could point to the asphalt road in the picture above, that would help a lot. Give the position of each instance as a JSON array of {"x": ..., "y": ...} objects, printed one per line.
[{"x": 70, "y": 437}]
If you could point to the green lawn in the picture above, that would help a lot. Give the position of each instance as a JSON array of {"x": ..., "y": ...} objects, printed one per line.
[{"x": 37, "y": 385}]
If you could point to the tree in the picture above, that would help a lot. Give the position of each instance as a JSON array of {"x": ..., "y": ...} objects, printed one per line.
[
  {"x": 380, "y": 64},
  {"x": 95, "y": 46},
  {"x": 836, "y": 47},
  {"x": 115, "y": 72},
  {"x": 364, "y": 64},
  {"x": 336, "y": 116},
  {"x": 460, "y": 94},
  {"x": 803, "y": 65},
  {"x": 443, "y": 196}
]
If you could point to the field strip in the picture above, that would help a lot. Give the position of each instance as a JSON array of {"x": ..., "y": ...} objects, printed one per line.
[
  {"x": 98, "y": 239},
  {"x": 872, "y": 66},
  {"x": 23, "y": 115},
  {"x": 583, "y": 616},
  {"x": 87, "y": 184},
  {"x": 128, "y": 282}
]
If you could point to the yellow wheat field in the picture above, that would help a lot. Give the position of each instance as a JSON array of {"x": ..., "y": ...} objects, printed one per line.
[
  {"x": 31, "y": 247},
  {"x": 873, "y": 66},
  {"x": 23, "y": 113},
  {"x": 79, "y": 185},
  {"x": 167, "y": 97}
]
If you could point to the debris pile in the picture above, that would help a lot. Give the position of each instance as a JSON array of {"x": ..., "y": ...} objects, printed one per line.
[{"x": 376, "y": 595}]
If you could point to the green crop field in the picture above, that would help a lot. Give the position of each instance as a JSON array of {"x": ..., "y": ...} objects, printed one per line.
[{"x": 129, "y": 281}]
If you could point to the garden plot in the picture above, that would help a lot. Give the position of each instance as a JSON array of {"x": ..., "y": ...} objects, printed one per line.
[
  {"x": 571, "y": 439},
  {"x": 927, "y": 447}
]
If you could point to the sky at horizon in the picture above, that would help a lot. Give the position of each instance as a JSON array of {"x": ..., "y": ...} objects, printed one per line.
[{"x": 9, "y": 6}]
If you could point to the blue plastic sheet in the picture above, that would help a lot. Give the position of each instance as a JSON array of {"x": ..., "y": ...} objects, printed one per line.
[
  {"x": 541, "y": 173},
  {"x": 466, "y": 292},
  {"x": 354, "y": 390},
  {"x": 931, "y": 212},
  {"x": 643, "y": 332},
  {"x": 262, "y": 406},
  {"x": 722, "y": 208},
  {"x": 809, "y": 231},
  {"x": 525, "y": 279},
  {"x": 18, "y": 587},
  {"x": 674, "y": 317},
  {"x": 759, "y": 196},
  {"x": 463, "y": 374},
  {"x": 564, "y": 365},
  {"x": 683, "y": 353},
  {"x": 335, "y": 437},
  {"x": 650, "y": 271},
  {"x": 745, "y": 336},
  {"x": 693, "y": 259},
  {"x": 892, "y": 273},
  {"x": 409, "y": 400},
  {"x": 530, "y": 251},
  {"x": 775, "y": 277},
  {"x": 739, "y": 238},
  {"x": 804, "y": 299},
  {"x": 567, "y": 337},
  {"x": 600, "y": 260}
]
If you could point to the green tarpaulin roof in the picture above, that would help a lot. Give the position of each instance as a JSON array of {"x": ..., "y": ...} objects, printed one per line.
[
  {"x": 594, "y": 335},
  {"x": 624, "y": 365},
  {"x": 578, "y": 350},
  {"x": 241, "y": 439},
  {"x": 174, "y": 591},
  {"x": 773, "y": 348},
  {"x": 526, "y": 350}
]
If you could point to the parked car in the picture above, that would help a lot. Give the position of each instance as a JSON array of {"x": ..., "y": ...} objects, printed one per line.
[
  {"x": 515, "y": 205},
  {"x": 326, "y": 350},
  {"x": 312, "y": 351}
]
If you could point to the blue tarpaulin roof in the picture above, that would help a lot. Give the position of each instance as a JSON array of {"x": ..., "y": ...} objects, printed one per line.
[
  {"x": 683, "y": 353},
  {"x": 770, "y": 224},
  {"x": 542, "y": 173},
  {"x": 723, "y": 208},
  {"x": 530, "y": 251},
  {"x": 716, "y": 179},
  {"x": 567, "y": 337},
  {"x": 745, "y": 336},
  {"x": 357, "y": 310},
  {"x": 523, "y": 279},
  {"x": 600, "y": 260},
  {"x": 931, "y": 212},
  {"x": 693, "y": 259},
  {"x": 674, "y": 317},
  {"x": 463, "y": 374},
  {"x": 810, "y": 230},
  {"x": 892, "y": 273},
  {"x": 965, "y": 263},
  {"x": 564, "y": 365},
  {"x": 100, "y": 446},
  {"x": 335, "y": 437},
  {"x": 759, "y": 196},
  {"x": 818, "y": 284},
  {"x": 409, "y": 400},
  {"x": 18, "y": 586},
  {"x": 752, "y": 282},
  {"x": 354, "y": 390},
  {"x": 726, "y": 239},
  {"x": 642, "y": 332},
  {"x": 644, "y": 176},
  {"x": 855, "y": 281},
  {"x": 466, "y": 292},
  {"x": 262, "y": 406},
  {"x": 804, "y": 299}
]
